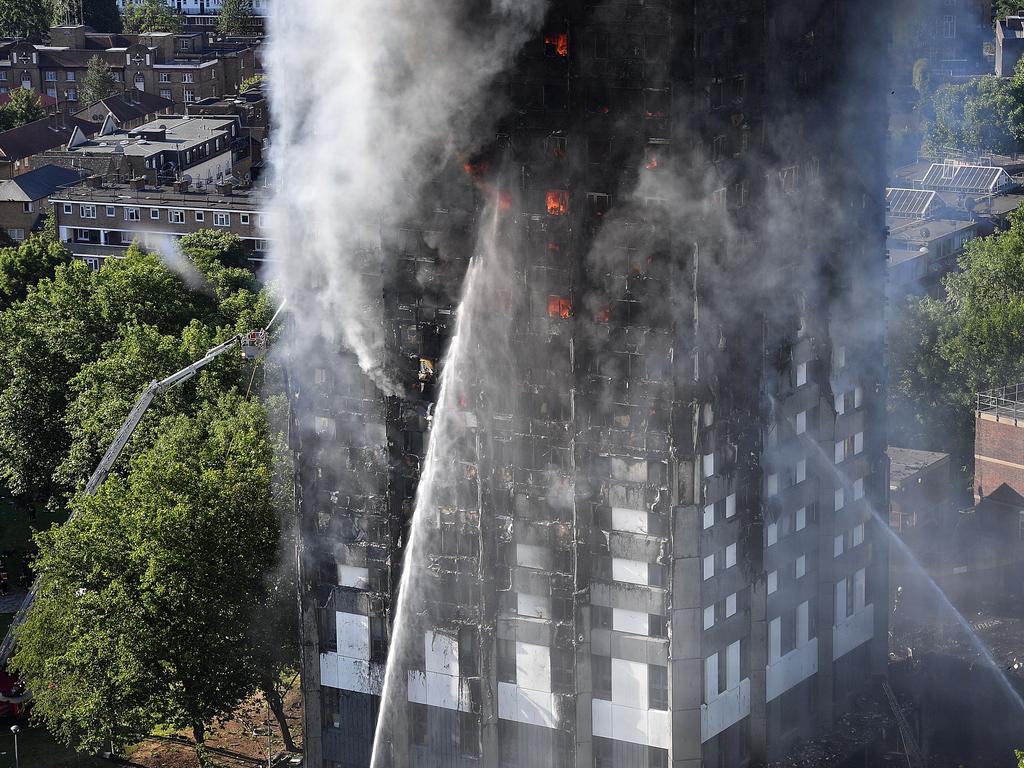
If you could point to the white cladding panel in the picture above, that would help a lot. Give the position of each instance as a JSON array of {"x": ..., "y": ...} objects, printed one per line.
[
  {"x": 631, "y": 571},
  {"x": 633, "y": 622},
  {"x": 533, "y": 667},
  {"x": 353, "y": 635},
  {"x": 629, "y": 520}
]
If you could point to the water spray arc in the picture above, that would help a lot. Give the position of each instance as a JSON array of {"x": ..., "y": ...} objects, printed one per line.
[{"x": 882, "y": 524}]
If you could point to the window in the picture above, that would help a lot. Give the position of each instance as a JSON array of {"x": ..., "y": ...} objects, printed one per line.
[
  {"x": 51, "y": 92},
  {"x": 260, "y": 245},
  {"x": 801, "y": 422},
  {"x": 88, "y": 211},
  {"x": 190, "y": 95},
  {"x": 71, "y": 94},
  {"x": 111, "y": 211},
  {"x": 222, "y": 219},
  {"x": 69, "y": 208},
  {"x": 949, "y": 27},
  {"x": 601, "y": 617},
  {"x": 801, "y": 374},
  {"x": 188, "y": 77},
  {"x": 165, "y": 77},
  {"x": 557, "y": 202},
  {"x": 730, "y": 605},
  {"x": 243, "y": 218},
  {"x": 131, "y": 214},
  {"x": 774, "y": 640},
  {"x": 837, "y": 545},
  {"x": 709, "y": 516},
  {"x": 771, "y": 534},
  {"x": 176, "y": 217},
  {"x": 772, "y": 484},
  {"x": 28, "y": 207},
  {"x": 16, "y": 233},
  {"x": 730, "y": 506},
  {"x": 858, "y": 489},
  {"x": 858, "y": 535},
  {"x": 858, "y": 397},
  {"x": 801, "y": 518},
  {"x": 709, "y": 567},
  {"x": 840, "y": 601},
  {"x": 117, "y": 76},
  {"x": 657, "y": 625},
  {"x": 709, "y": 617},
  {"x": 858, "y": 443},
  {"x": 469, "y": 734},
  {"x": 3, "y": 77},
  {"x": 711, "y": 678},
  {"x": 657, "y": 686},
  {"x": 200, "y": 216},
  {"x": 154, "y": 213},
  {"x": 773, "y": 582},
  {"x": 50, "y": 77},
  {"x": 840, "y": 453},
  {"x": 801, "y": 566},
  {"x": 140, "y": 82},
  {"x": 69, "y": 76},
  {"x": 165, "y": 93},
  {"x": 730, "y": 555},
  {"x": 708, "y": 464},
  {"x": 601, "y": 669},
  {"x": 327, "y": 623}
]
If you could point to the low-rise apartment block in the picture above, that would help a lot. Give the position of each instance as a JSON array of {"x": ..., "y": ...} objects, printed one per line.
[{"x": 99, "y": 220}]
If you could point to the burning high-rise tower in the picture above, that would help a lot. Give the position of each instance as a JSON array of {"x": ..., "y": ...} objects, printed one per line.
[{"x": 644, "y": 534}]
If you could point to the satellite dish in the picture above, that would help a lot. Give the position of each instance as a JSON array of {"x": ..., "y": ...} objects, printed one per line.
[
  {"x": 925, "y": 232},
  {"x": 187, "y": 178}
]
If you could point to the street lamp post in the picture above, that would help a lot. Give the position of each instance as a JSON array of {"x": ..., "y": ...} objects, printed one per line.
[{"x": 14, "y": 730}]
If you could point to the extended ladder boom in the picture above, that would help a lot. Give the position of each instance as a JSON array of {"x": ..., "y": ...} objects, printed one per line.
[{"x": 102, "y": 470}]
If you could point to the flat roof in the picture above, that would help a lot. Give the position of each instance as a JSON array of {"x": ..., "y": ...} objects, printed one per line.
[
  {"x": 244, "y": 198},
  {"x": 906, "y": 462},
  {"x": 181, "y": 133}
]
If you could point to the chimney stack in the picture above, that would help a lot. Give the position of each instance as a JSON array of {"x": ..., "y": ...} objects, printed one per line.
[
  {"x": 138, "y": 183},
  {"x": 224, "y": 187},
  {"x": 180, "y": 186},
  {"x": 94, "y": 182}
]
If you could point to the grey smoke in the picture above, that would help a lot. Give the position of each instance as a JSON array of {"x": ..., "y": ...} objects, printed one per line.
[{"x": 360, "y": 124}]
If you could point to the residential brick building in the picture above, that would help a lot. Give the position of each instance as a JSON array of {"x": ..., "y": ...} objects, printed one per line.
[
  {"x": 660, "y": 547},
  {"x": 180, "y": 68},
  {"x": 21, "y": 148},
  {"x": 202, "y": 14},
  {"x": 24, "y": 199},
  {"x": 920, "y": 490},
  {"x": 100, "y": 219},
  {"x": 999, "y": 443}
]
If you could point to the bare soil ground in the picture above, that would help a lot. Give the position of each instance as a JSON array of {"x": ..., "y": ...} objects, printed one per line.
[{"x": 240, "y": 742}]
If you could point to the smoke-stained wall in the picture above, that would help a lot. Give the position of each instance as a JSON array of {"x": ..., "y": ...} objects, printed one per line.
[{"x": 643, "y": 536}]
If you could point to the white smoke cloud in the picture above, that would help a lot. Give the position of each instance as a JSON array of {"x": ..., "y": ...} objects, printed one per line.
[{"x": 367, "y": 97}]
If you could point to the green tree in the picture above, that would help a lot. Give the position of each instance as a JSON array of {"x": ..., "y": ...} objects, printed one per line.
[
  {"x": 250, "y": 83},
  {"x": 147, "y": 594},
  {"x": 98, "y": 83},
  {"x": 25, "y": 19},
  {"x": 26, "y": 264},
  {"x": 101, "y": 15},
  {"x": 945, "y": 351},
  {"x": 984, "y": 114},
  {"x": 151, "y": 16},
  {"x": 24, "y": 106},
  {"x": 74, "y": 319},
  {"x": 235, "y": 17}
]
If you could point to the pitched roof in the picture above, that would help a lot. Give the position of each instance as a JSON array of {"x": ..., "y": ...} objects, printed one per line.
[
  {"x": 976, "y": 179},
  {"x": 909, "y": 203},
  {"x": 125, "y": 107},
  {"x": 40, "y": 183},
  {"x": 33, "y": 138}
]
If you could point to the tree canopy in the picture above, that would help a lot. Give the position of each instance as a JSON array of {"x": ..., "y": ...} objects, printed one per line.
[
  {"x": 24, "y": 106},
  {"x": 99, "y": 82},
  {"x": 983, "y": 114},
  {"x": 102, "y": 15},
  {"x": 235, "y": 17},
  {"x": 151, "y": 16},
  {"x": 25, "y": 19},
  {"x": 945, "y": 351},
  {"x": 148, "y": 593}
]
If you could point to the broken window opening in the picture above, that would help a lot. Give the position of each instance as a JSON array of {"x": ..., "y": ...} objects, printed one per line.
[
  {"x": 556, "y": 44},
  {"x": 557, "y": 202},
  {"x": 559, "y": 306}
]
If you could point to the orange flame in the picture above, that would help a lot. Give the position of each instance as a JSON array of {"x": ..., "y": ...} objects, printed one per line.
[
  {"x": 558, "y": 42},
  {"x": 652, "y": 163},
  {"x": 558, "y": 202},
  {"x": 504, "y": 201},
  {"x": 559, "y": 306},
  {"x": 604, "y": 314}
]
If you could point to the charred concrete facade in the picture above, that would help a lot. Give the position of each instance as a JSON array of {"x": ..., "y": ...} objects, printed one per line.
[{"x": 658, "y": 545}]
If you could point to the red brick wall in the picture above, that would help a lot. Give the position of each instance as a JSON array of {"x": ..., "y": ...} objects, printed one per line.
[{"x": 1003, "y": 441}]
